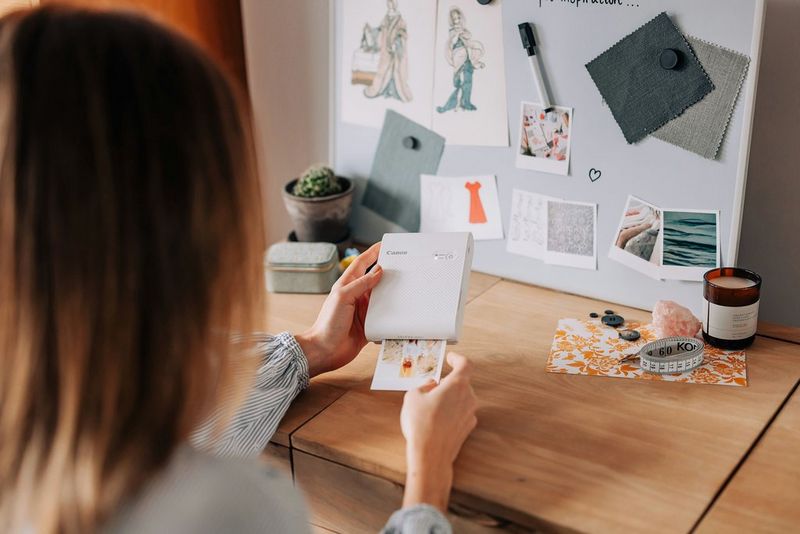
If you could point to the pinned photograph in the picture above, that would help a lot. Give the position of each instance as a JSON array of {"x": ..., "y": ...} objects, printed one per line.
[
  {"x": 544, "y": 139},
  {"x": 405, "y": 364},
  {"x": 461, "y": 204},
  {"x": 690, "y": 244},
  {"x": 571, "y": 234},
  {"x": 387, "y": 60},
  {"x": 527, "y": 228},
  {"x": 469, "y": 91},
  {"x": 637, "y": 242}
]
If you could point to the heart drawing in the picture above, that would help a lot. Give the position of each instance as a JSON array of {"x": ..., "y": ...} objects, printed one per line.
[{"x": 594, "y": 174}]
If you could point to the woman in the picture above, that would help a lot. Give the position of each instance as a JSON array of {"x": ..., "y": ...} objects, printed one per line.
[{"x": 131, "y": 250}]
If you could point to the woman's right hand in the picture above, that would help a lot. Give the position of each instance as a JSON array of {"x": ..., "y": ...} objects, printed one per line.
[{"x": 436, "y": 420}]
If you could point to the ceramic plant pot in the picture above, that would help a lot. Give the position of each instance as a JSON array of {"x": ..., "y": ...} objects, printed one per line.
[{"x": 318, "y": 219}]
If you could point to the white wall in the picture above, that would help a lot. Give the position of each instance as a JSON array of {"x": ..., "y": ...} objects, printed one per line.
[
  {"x": 770, "y": 242},
  {"x": 287, "y": 59},
  {"x": 286, "y": 48}
]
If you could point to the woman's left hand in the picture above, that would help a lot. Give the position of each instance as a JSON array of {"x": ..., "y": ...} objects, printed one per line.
[{"x": 338, "y": 333}]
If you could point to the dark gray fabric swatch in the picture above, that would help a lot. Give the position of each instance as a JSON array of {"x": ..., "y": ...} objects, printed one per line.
[
  {"x": 641, "y": 94},
  {"x": 702, "y": 127},
  {"x": 393, "y": 186}
]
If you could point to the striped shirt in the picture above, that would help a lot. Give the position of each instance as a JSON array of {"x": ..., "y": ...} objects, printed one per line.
[{"x": 219, "y": 485}]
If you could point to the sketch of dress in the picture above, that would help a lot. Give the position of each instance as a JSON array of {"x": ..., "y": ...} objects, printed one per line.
[
  {"x": 476, "y": 213},
  {"x": 381, "y": 61},
  {"x": 464, "y": 55}
]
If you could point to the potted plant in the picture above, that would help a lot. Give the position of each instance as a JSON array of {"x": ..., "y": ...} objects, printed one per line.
[{"x": 319, "y": 204}]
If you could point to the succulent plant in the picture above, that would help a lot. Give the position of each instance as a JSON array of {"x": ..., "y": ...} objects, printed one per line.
[{"x": 317, "y": 181}]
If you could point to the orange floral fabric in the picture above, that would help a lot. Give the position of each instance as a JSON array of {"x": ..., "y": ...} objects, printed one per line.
[{"x": 591, "y": 348}]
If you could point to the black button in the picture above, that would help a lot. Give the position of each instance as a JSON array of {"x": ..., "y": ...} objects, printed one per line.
[
  {"x": 629, "y": 335},
  {"x": 484, "y": 2},
  {"x": 410, "y": 142},
  {"x": 612, "y": 320},
  {"x": 610, "y": 312},
  {"x": 593, "y": 315},
  {"x": 669, "y": 58}
]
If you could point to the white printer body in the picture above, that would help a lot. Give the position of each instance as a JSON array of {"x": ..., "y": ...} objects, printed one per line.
[{"x": 424, "y": 287}]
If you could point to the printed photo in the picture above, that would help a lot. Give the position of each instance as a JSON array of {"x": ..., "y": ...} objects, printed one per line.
[
  {"x": 690, "y": 244},
  {"x": 637, "y": 242},
  {"x": 544, "y": 139},
  {"x": 571, "y": 234},
  {"x": 405, "y": 364}
]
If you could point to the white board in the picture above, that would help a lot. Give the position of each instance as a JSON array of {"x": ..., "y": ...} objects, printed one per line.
[{"x": 571, "y": 35}]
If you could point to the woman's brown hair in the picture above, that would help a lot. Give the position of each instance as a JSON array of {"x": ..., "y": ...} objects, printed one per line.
[{"x": 131, "y": 242}]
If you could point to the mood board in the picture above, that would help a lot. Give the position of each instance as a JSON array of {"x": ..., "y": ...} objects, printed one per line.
[{"x": 638, "y": 173}]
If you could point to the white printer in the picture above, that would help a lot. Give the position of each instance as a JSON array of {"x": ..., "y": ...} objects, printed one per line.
[{"x": 424, "y": 287}]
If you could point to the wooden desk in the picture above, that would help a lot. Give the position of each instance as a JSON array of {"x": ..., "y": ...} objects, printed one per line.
[
  {"x": 764, "y": 495},
  {"x": 550, "y": 451},
  {"x": 295, "y": 313},
  {"x": 779, "y": 331}
]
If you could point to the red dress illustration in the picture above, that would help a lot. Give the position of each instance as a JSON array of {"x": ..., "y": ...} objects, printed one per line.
[{"x": 476, "y": 213}]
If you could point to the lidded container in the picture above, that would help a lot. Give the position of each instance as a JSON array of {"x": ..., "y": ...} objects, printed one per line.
[
  {"x": 730, "y": 307},
  {"x": 302, "y": 267}
]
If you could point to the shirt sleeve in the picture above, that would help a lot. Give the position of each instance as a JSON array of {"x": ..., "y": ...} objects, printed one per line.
[
  {"x": 418, "y": 519},
  {"x": 282, "y": 374}
]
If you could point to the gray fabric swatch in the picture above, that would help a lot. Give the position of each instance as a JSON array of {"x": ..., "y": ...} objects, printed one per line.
[
  {"x": 393, "y": 186},
  {"x": 641, "y": 94},
  {"x": 702, "y": 127}
]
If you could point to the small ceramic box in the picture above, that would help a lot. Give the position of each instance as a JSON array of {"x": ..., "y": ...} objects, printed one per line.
[{"x": 302, "y": 267}]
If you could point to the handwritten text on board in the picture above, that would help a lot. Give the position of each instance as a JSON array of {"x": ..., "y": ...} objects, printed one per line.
[{"x": 598, "y": 3}]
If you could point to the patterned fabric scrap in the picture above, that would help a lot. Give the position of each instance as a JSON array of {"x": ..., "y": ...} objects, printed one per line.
[
  {"x": 590, "y": 348},
  {"x": 642, "y": 95},
  {"x": 702, "y": 127}
]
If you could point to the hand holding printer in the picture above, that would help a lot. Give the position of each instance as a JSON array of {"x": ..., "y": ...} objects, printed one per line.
[
  {"x": 337, "y": 336},
  {"x": 435, "y": 419}
]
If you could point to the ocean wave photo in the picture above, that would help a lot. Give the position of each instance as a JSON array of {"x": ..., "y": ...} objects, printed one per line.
[{"x": 690, "y": 239}]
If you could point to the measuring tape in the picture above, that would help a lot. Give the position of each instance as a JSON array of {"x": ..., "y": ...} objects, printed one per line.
[{"x": 671, "y": 355}]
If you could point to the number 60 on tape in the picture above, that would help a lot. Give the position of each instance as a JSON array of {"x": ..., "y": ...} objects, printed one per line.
[{"x": 671, "y": 355}]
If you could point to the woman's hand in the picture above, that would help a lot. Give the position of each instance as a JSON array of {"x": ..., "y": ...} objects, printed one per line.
[
  {"x": 436, "y": 420},
  {"x": 338, "y": 333}
]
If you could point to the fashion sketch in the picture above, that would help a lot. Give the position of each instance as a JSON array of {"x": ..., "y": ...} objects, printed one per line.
[
  {"x": 463, "y": 54},
  {"x": 381, "y": 61}
]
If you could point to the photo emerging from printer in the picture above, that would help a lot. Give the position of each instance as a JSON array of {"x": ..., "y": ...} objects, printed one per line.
[{"x": 405, "y": 364}]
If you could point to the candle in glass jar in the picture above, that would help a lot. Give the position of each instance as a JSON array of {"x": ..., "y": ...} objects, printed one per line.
[
  {"x": 730, "y": 307},
  {"x": 733, "y": 282}
]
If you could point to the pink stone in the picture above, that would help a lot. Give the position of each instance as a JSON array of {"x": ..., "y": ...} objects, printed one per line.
[{"x": 672, "y": 319}]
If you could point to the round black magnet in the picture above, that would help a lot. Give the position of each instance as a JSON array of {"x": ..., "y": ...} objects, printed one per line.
[
  {"x": 593, "y": 315},
  {"x": 669, "y": 58},
  {"x": 610, "y": 312},
  {"x": 612, "y": 320},
  {"x": 629, "y": 335},
  {"x": 410, "y": 142},
  {"x": 484, "y": 2}
]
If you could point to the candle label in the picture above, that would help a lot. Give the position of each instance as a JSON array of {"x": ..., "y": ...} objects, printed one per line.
[{"x": 730, "y": 322}]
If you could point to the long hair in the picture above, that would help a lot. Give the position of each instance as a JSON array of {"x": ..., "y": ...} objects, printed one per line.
[{"x": 131, "y": 245}]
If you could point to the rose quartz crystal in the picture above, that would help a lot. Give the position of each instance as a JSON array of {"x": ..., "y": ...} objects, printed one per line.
[{"x": 672, "y": 319}]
